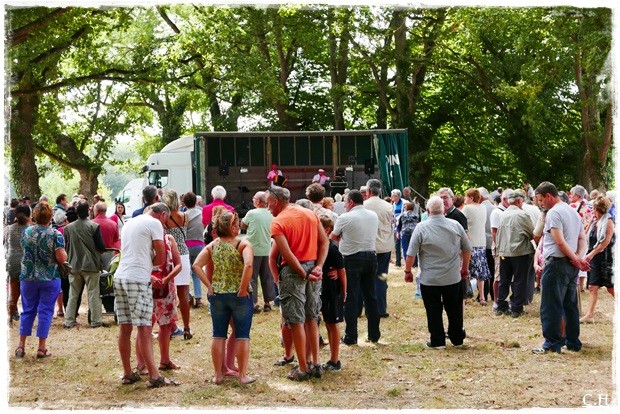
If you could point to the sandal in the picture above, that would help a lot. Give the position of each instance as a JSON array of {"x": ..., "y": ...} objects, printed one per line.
[
  {"x": 187, "y": 334},
  {"x": 42, "y": 353},
  {"x": 141, "y": 370},
  {"x": 298, "y": 375},
  {"x": 19, "y": 352},
  {"x": 284, "y": 361},
  {"x": 161, "y": 382},
  {"x": 131, "y": 378},
  {"x": 483, "y": 302},
  {"x": 168, "y": 366}
]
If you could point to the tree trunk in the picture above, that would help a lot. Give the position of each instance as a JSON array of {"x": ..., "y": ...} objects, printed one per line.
[
  {"x": 24, "y": 174},
  {"x": 89, "y": 181},
  {"x": 339, "y": 64}
]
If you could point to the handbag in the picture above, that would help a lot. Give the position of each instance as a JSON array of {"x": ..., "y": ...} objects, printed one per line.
[
  {"x": 160, "y": 293},
  {"x": 65, "y": 269}
]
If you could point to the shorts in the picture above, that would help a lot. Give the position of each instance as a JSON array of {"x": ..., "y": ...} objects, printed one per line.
[
  {"x": 300, "y": 300},
  {"x": 133, "y": 303},
  {"x": 332, "y": 306},
  {"x": 182, "y": 279},
  {"x": 601, "y": 271},
  {"x": 224, "y": 306}
]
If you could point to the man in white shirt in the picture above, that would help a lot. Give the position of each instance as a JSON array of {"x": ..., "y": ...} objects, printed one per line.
[
  {"x": 142, "y": 248},
  {"x": 384, "y": 242},
  {"x": 356, "y": 232},
  {"x": 321, "y": 178}
]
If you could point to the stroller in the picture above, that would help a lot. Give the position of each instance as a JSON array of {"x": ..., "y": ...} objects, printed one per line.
[{"x": 106, "y": 285}]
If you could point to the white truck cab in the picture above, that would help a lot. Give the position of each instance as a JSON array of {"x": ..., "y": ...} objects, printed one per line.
[
  {"x": 130, "y": 196},
  {"x": 172, "y": 166}
]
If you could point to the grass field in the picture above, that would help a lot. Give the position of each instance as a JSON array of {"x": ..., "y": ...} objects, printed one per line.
[{"x": 495, "y": 370}]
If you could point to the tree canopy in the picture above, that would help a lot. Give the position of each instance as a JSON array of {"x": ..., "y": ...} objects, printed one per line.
[{"x": 490, "y": 96}]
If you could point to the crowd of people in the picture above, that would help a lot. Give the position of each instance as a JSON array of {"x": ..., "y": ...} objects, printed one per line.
[{"x": 317, "y": 259}]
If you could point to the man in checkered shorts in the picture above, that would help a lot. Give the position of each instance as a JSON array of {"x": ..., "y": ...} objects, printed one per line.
[{"x": 142, "y": 247}]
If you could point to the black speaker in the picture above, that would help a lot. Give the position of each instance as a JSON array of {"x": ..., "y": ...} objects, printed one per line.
[
  {"x": 223, "y": 170},
  {"x": 369, "y": 166}
]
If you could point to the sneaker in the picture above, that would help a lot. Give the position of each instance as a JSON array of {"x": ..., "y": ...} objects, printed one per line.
[
  {"x": 540, "y": 351},
  {"x": 332, "y": 366},
  {"x": 297, "y": 375},
  {"x": 178, "y": 332},
  {"x": 499, "y": 312},
  {"x": 315, "y": 370},
  {"x": 346, "y": 342},
  {"x": 431, "y": 346},
  {"x": 516, "y": 314}
]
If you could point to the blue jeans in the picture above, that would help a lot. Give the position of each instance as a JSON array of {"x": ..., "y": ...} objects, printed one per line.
[
  {"x": 361, "y": 272},
  {"x": 558, "y": 299},
  {"x": 383, "y": 264},
  {"x": 223, "y": 306},
  {"x": 193, "y": 253},
  {"x": 38, "y": 300}
]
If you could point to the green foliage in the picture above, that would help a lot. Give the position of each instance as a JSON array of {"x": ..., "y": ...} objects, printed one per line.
[{"x": 490, "y": 96}]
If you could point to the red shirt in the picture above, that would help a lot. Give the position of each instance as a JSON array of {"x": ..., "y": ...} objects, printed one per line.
[{"x": 109, "y": 230}]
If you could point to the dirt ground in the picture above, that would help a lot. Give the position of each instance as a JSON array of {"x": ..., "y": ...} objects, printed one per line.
[{"x": 495, "y": 370}]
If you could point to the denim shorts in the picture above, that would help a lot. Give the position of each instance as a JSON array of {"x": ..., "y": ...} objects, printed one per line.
[
  {"x": 300, "y": 300},
  {"x": 223, "y": 306}
]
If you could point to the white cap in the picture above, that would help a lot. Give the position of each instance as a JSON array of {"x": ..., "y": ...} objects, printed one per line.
[{"x": 321, "y": 170}]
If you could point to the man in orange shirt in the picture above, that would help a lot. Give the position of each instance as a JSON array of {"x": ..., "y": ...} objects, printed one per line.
[{"x": 302, "y": 243}]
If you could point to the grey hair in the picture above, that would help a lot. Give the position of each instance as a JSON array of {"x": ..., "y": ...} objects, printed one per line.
[
  {"x": 611, "y": 194},
  {"x": 484, "y": 193},
  {"x": 506, "y": 193},
  {"x": 158, "y": 208},
  {"x": 101, "y": 206},
  {"x": 434, "y": 205},
  {"x": 374, "y": 187},
  {"x": 446, "y": 190},
  {"x": 579, "y": 190},
  {"x": 261, "y": 196},
  {"x": 304, "y": 202},
  {"x": 337, "y": 197},
  {"x": 396, "y": 192},
  {"x": 281, "y": 193},
  {"x": 218, "y": 192}
]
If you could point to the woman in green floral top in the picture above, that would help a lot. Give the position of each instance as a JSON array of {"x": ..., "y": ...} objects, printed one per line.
[
  {"x": 228, "y": 263},
  {"x": 44, "y": 248}
]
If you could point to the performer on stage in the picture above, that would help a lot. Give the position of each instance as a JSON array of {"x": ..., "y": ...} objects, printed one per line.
[
  {"x": 321, "y": 178},
  {"x": 275, "y": 176}
]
